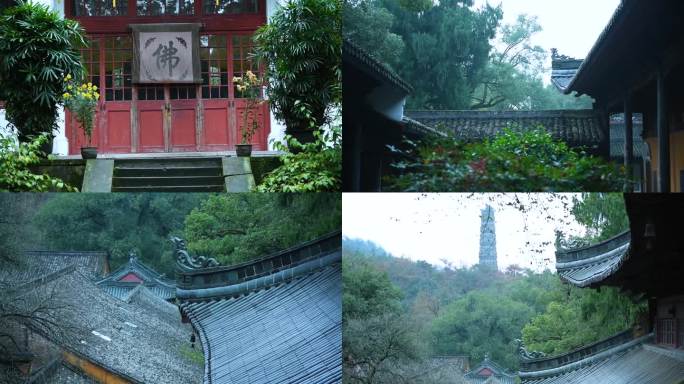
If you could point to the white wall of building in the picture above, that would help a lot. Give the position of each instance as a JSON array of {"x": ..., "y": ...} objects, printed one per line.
[{"x": 277, "y": 126}]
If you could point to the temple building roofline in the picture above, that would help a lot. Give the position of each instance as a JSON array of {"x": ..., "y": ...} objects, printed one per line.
[
  {"x": 197, "y": 282},
  {"x": 581, "y": 357}
]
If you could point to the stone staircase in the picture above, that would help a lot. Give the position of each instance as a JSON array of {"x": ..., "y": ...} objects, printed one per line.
[
  {"x": 168, "y": 175},
  {"x": 177, "y": 174}
]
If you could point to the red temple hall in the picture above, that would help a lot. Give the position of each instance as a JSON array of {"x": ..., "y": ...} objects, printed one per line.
[{"x": 165, "y": 73}]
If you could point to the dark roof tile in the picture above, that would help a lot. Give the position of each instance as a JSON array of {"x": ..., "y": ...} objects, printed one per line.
[{"x": 576, "y": 127}]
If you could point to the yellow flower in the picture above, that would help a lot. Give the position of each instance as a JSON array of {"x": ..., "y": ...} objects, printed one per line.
[
  {"x": 90, "y": 85},
  {"x": 69, "y": 87},
  {"x": 66, "y": 95},
  {"x": 236, "y": 79},
  {"x": 97, "y": 95},
  {"x": 67, "y": 78},
  {"x": 94, "y": 88}
]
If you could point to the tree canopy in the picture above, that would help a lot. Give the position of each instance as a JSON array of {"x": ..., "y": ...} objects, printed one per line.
[
  {"x": 457, "y": 56},
  {"x": 230, "y": 227}
]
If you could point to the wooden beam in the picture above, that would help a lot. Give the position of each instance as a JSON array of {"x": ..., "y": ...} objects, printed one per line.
[
  {"x": 663, "y": 134},
  {"x": 629, "y": 145}
]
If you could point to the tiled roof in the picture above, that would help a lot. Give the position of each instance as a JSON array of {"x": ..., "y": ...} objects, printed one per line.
[
  {"x": 142, "y": 297},
  {"x": 576, "y": 127},
  {"x": 416, "y": 128},
  {"x": 635, "y": 361},
  {"x": 128, "y": 340},
  {"x": 284, "y": 326},
  {"x": 499, "y": 373},
  {"x": 34, "y": 264},
  {"x": 121, "y": 290},
  {"x": 357, "y": 56},
  {"x": 153, "y": 281},
  {"x": 587, "y": 265},
  {"x": 563, "y": 70}
]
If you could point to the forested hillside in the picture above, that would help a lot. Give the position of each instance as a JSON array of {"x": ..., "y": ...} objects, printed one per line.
[
  {"x": 232, "y": 228},
  {"x": 456, "y": 56},
  {"x": 400, "y": 312}
]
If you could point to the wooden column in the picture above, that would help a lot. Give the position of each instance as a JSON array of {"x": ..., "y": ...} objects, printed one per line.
[
  {"x": 629, "y": 146},
  {"x": 663, "y": 135}
]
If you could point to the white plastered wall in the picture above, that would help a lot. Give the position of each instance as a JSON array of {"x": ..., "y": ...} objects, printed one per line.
[{"x": 277, "y": 126}]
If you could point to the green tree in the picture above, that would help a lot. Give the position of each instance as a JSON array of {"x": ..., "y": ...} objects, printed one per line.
[
  {"x": 481, "y": 323},
  {"x": 16, "y": 214},
  {"x": 582, "y": 317},
  {"x": 447, "y": 50},
  {"x": 302, "y": 48},
  {"x": 117, "y": 223},
  {"x": 37, "y": 49},
  {"x": 369, "y": 24},
  {"x": 602, "y": 214},
  {"x": 239, "y": 227},
  {"x": 378, "y": 340},
  {"x": 512, "y": 79}
]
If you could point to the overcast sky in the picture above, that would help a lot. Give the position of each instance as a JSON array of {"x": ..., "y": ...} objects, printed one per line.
[
  {"x": 436, "y": 227},
  {"x": 572, "y": 26}
]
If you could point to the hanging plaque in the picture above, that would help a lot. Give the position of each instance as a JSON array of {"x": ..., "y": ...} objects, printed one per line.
[{"x": 166, "y": 53}]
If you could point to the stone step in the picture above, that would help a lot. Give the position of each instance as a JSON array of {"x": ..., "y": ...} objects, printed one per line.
[
  {"x": 154, "y": 181},
  {"x": 173, "y": 188},
  {"x": 168, "y": 172}
]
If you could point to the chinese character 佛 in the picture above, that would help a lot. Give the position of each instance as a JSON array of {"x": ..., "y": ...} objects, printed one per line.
[{"x": 166, "y": 57}]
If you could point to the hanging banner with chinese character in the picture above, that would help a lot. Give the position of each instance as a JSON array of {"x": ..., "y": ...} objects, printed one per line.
[{"x": 166, "y": 53}]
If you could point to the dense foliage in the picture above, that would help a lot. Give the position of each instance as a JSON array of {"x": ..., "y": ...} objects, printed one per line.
[
  {"x": 117, "y": 223},
  {"x": 302, "y": 48},
  {"x": 476, "y": 311},
  {"x": 581, "y": 318},
  {"x": 514, "y": 160},
  {"x": 457, "y": 56},
  {"x": 233, "y": 228},
  {"x": 16, "y": 158},
  {"x": 309, "y": 167},
  {"x": 602, "y": 214},
  {"x": 37, "y": 49},
  {"x": 240, "y": 227}
]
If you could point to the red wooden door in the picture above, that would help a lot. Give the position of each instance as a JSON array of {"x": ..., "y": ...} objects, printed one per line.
[{"x": 169, "y": 117}]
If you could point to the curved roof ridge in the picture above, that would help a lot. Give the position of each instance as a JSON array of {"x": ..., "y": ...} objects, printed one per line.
[
  {"x": 262, "y": 282},
  {"x": 582, "y": 357},
  {"x": 592, "y": 250}
]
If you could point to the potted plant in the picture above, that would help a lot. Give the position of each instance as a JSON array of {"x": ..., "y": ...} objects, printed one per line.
[
  {"x": 81, "y": 100},
  {"x": 249, "y": 87}
]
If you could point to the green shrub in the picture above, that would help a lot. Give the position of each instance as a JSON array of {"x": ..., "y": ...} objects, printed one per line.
[
  {"x": 15, "y": 160},
  {"x": 302, "y": 49},
  {"x": 512, "y": 161},
  {"x": 310, "y": 167},
  {"x": 37, "y": 49}
]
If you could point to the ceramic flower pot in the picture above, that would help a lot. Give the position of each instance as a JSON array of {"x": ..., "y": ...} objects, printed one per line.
[
  {"x": 89, "y": 152},
  {"x": 243, "y": 150}
]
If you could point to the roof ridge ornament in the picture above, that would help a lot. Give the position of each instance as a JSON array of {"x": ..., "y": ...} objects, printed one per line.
[
  {"x": 193, "y": 262},
  {"x": 132, "y": 256},
  {"x": 528, "y": 355}
]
